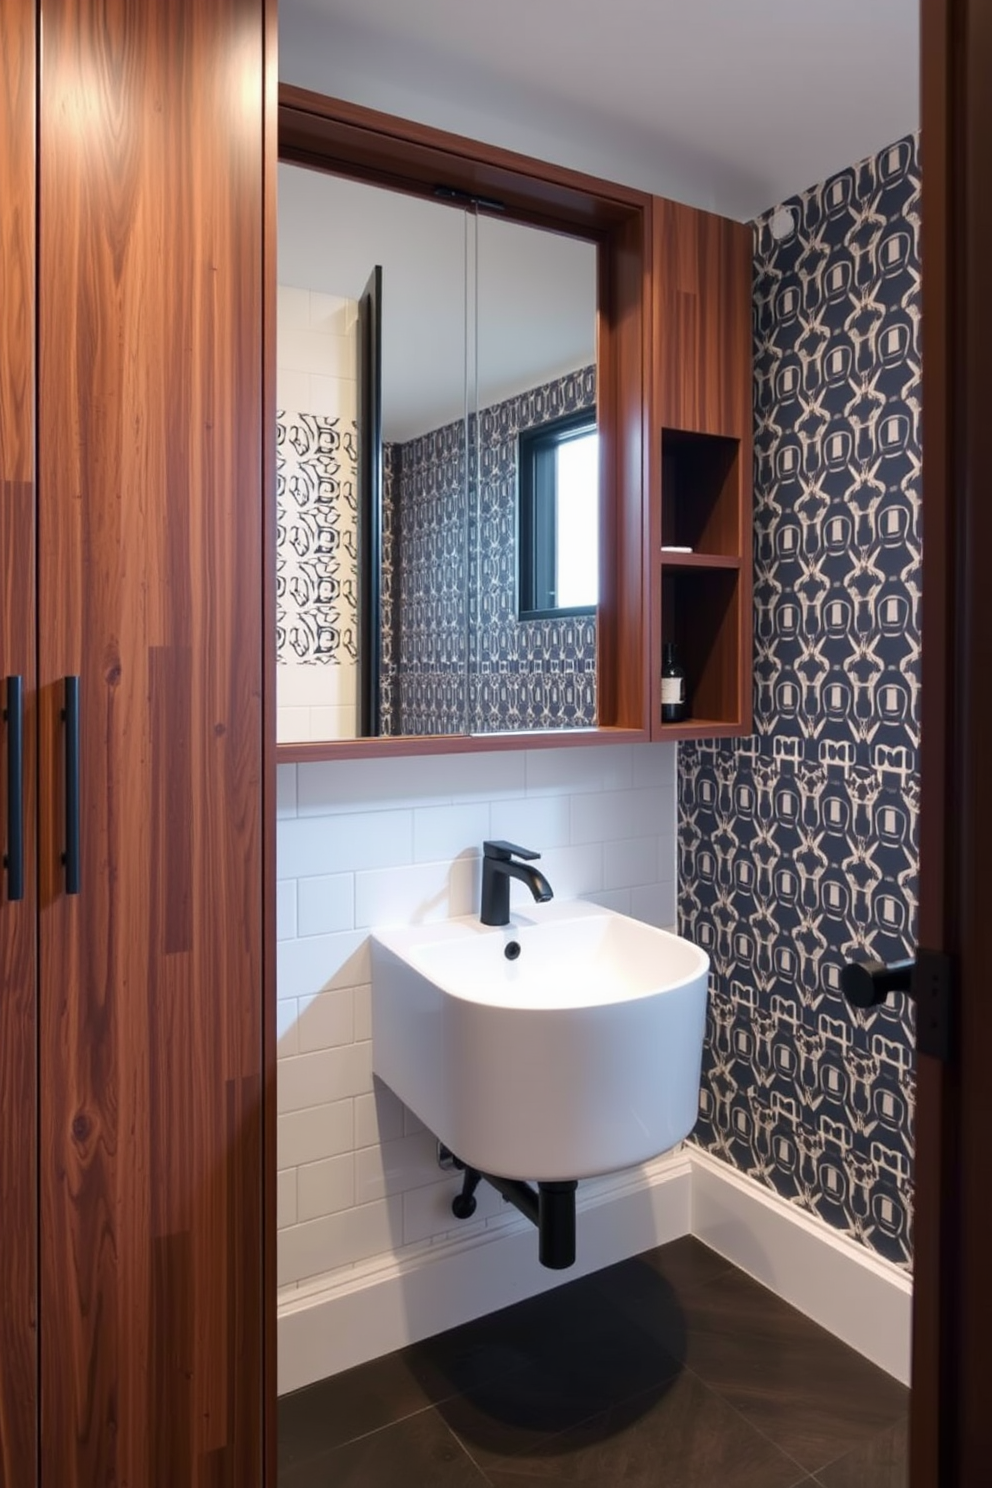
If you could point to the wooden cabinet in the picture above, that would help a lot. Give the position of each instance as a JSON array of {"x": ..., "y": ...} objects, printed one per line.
[
  {"x": 131, "y": 1011},
  {"x": 700, "y": 483},
  {"x": 18, "y": 915}
]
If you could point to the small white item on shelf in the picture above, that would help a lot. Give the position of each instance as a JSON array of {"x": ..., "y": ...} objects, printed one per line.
[{"x": 670, "y": 548}]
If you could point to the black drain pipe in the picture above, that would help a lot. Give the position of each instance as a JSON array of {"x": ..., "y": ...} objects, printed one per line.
[{"x": 549, "y": 1206}]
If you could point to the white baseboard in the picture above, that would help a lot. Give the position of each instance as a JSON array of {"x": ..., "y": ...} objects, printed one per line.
[
  {"x": 846, "y": 1288},
  {"x": 381, "y": 1306},
  {"x": 387, "y": 1303}
]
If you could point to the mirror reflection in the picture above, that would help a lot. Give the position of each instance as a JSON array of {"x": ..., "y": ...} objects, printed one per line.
[{"x": 457, "y": 594}]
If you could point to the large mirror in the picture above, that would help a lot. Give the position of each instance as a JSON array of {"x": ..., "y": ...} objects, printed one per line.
[{"x": 437, "y": 466}]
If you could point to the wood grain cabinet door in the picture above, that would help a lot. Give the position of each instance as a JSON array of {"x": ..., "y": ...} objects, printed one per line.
[
  {"x": 18, "y": 904},
  {"x": 150, "y": 592}
]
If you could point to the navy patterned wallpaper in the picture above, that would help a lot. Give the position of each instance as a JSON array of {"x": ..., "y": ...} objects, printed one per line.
[
  {"x": 459, "y": 657},
  {"x": 798, "y": 845},
  {"x": 525, "y": 674},
  {"x": 425, "y": 591}
]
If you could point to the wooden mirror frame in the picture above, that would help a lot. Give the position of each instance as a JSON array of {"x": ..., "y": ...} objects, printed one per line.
[{"x": 347, "y": 139}]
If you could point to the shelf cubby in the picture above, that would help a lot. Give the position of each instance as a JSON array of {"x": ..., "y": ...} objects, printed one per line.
[
  {"x": 701, "y": 611},
  {"x": 700, "y": 493}
]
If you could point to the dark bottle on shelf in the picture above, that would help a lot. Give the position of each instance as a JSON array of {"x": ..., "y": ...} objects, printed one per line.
[{"x": 674, "y": 703}]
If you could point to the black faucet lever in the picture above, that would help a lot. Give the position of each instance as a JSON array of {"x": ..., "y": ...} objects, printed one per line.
[
  {"x": 502, "y": 861},
  {"x": 506, "y": 850}
]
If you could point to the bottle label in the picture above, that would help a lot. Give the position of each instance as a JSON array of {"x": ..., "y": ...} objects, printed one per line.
[{"x": 672, "y": 691}]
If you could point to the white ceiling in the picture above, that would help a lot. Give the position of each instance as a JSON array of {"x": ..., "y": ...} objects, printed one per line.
[{"x": 732, "y": 105}]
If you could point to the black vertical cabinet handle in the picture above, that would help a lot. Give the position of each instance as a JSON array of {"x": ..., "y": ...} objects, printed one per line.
[
  {"x": 71, "y": 856},
  {"x": 14, "y": 857}
]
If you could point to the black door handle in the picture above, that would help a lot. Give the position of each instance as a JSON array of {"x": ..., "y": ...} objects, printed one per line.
[
  {"x": 14, "y": 857},
  {"x": 865, "y": 984},
  {"x": 71, "y": 856},
  {"x": 927, "y": 978}
]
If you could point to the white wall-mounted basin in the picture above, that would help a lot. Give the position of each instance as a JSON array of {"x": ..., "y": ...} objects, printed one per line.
[{"x": 578, "y": 1056}]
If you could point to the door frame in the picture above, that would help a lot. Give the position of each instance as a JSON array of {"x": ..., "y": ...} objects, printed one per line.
[{"x": 951, "y": 1425}]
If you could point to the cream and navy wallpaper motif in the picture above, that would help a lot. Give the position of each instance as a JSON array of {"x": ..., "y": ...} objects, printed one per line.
[
  {"x": 798, "y": 846},
  {"x": 528, "y": 674},
  {"x": 316, "y": 526},
  {"x": 460, "y": 658},
  {"x": 425, "y": 584}
]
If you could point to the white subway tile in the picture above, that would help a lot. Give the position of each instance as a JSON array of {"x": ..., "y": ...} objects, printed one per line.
[
  {"x": 615, "y": 899},
  {"x": 337, "y": 1239},
  {"x": 399, "y": 844},
  {"x": 286, "y": 909},
  {"x": 655, "y": 904},
  {"x": 292, "y": 725},
  {"x": 378, "y": 1117},
  {"x": 317, "y": 353},
  {"x": 322, "y": 962},
  {"x": 363, "y": 1012},
  {"x": 571, "y": 872},
  {"x": 537, "y": 822},
  {"x": 336, "y": 721},
  {"x": 318, "y": 1131},
  {"x": 334, "y": 392},
  {"x": 326, "y": 1020},
  {"x": 416, "y": 895},
  {"x": 331, "y": 314},
  {"x": 326, "y": 904},
  {"x": 287, "y": 1032},
  {"x": 597, "y": 767},
  {"x": 299, "y": 686},
  {"x": 610, "y": 815},
  {"x": 292, "y": 391},
  {"x": 285, "y": 790},
  {"x": 308, "y": 846},
  {"x": 421, "y": 780},
  {"x": 441, "y": 833},
  {"x": 286, "y": 1212},
  {"x": 292, "y": 308},
  {"x": 668, "y": 858},
  {"x": 427, "y": 1211},
  {"x": 327, "y": 1075},
  {"x": 632, "y": 861},
  {"x": 326, "y": 1187},
  {"x": 394, "y": 1167},
  {"x": 653, "y": 764}
]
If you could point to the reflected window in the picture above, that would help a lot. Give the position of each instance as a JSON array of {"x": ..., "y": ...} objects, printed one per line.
[{"x": 558, "y": 518}]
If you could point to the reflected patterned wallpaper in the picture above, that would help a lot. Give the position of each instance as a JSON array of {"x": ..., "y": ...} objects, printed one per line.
[
  {"x": 316, "y": 528},
  {"x": 798, "y": 846},
  {"x": 458, "y": 656}
]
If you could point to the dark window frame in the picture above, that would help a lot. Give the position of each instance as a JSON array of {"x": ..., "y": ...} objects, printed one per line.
[{"x": 537, "y": 513}]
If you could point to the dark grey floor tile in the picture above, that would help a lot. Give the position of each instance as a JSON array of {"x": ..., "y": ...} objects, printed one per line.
[
  {"x": 804, "y": 1389},
  {"x": 598, "y": 1362},
  {"x": 324, "y": 1415},
  {"x": 347, "y": 1405},
  {"x": 684, "y": 1437},
  {"x": 882, "y": 1462},
  {"x": 584, "y": 1354},
  {"x": 520, "y": 1412},
  {"x": 388, "y": 1389},
  {"x": 684, "y": 1264},
  {"x": 419, "y": 1452}
]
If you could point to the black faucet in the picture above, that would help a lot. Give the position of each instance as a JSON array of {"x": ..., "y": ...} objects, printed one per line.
[{"x": 498, "y": 867}]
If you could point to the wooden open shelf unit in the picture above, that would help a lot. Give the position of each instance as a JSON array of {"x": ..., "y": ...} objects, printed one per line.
[{"x": 700, "y": 478}]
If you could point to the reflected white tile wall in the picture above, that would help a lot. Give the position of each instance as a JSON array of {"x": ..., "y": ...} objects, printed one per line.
[{"x": 396, "y": 841}]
